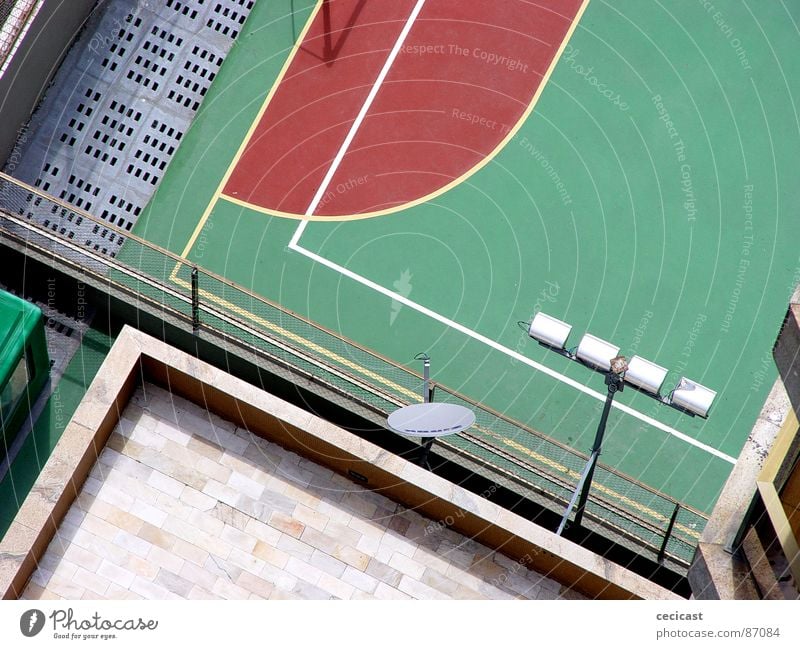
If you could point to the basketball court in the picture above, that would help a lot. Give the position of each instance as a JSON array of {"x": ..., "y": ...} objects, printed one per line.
[{"x": 424, "y": 175}]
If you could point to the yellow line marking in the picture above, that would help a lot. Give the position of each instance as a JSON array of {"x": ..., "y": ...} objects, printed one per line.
[
  {"x": 467, "y": 174},
  {"x": 576, "y": 475},
  {"x": 336, "y": 357},
  {"x": 319, "y": 349},
  {"x": 250, "y": 131}
]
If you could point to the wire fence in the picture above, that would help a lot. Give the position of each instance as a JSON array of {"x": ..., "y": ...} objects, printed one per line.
[{"x": 623, "y": 508}]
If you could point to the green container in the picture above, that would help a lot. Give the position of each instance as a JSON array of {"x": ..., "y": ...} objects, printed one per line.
[{"x": 24, "y": 364}]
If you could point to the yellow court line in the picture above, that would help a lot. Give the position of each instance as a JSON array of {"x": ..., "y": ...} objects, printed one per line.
[
  {"x": 457, "y": 181},
  {"x": 246, "y": 140},
  {"x": 597, "y": 487},
  {"x": 332, "y": 355},
  {"x": 324, "y": 351}
]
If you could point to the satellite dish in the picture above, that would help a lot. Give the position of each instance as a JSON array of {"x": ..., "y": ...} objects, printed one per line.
[{"x": 431, "y": 419}]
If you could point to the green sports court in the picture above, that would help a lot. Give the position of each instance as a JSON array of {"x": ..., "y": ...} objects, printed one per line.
[{"x": 629, "y": 178}]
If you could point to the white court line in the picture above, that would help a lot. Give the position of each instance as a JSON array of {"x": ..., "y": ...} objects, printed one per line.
[
  {"x": 510, "y": 352},
  {"x": 294, "y": 245},
  {"x": 357, "y": 123}
]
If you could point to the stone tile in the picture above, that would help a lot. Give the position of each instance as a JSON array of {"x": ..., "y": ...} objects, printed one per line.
[
  {"x": 198, "y": 593},
  {"x": 129, "y": 521},
  {"x": 213, "y": 469},
  {"x": 116, "y": 574},
  {"x": 418, "y": 590},
  {"x": 246, "y": 561},
  {"x": 369, "y": 545},
  {"x": 357, "y": 504},
  {"x": 406, "y": 565},
  {"x": 168, "y": 485},
  {"x": 151, "y": 590},
  {"x": 286, "y": 524},
  {"x": 82, "y": 558},
  {"x": 270, "y": 554},
  {"x": 172, "y": 432},
  {"x": 65, "y": 588},
  {"x": 237, "y": 538},
  {"x": 352, "y": 557},
  {"x": 156, "y": 536},
  {"x": 173, "y": 507},
  {"x": 189, "y": 552},
  {"x": 222, "y": 568},
  {"x": 360, "y": 580},
  {"x": 206, "y": 448},
  {"x": 310, "y": 517},
  {"x": 384, "y": 591},
  {"x": 310, "y": 591},
  {"x": 100, "y": 528},
  {"x": 281, "y": 579},
  {"x": 431, "y": 560},
  {"x": 140, "y": 567},
  {"x": 398, "y": 543},
  {"x": 245, "y": 485},
  {"x": 333, "y": 511},
  {"x": 255, "y": 585},
  {"x": 204, "y": 521},
  {"x": 230, "y": 516},
  {"x": 221, "y": 492},
  {"x": 278, "y": 502},
  {"x": 227, "y": 590},
  {"x": 302, "y": 495},
  {"x": 234, "y": 460},
  {"x": 197, "y": 499},
  {"x": 295, "y": 547},
  {"x": 280, "y": 594},
  {"x": 303, "y": 570},
  {"x": 118, "y": 592},
  {"x": 192, "y": 535},
  {"x": 327, "y": 563},
  {"x": 165, "y": 559},
  {"x": 438, "y": 581},
  {"x": 180, "y": 453},
  {"x": 367, "y": 527},
  {"x": 383, "y": 573},
  {"x": 174, "y": 583},
  {"x": 336, "y": 587},
  {"x": 132, "y": 543},
  {"x": 146, "y": 512},
  {"x": 319, "y": 540},
  {"x": 344, "y": 534},
  {"x": 100, "y": 547},
  {"x": 198, "y": 576},
  {"x": 262, "y": 531}
]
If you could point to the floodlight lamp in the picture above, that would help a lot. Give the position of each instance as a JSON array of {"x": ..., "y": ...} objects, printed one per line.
[
  {"x": 693, "y": 397},
  {"x": 596, "y": 352},
  {"x": 548, "y": 330},
  {"x": 645, "y": 375}
]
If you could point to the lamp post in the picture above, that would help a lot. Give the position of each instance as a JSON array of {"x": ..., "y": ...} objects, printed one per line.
[{"x": 614, "y": 383}]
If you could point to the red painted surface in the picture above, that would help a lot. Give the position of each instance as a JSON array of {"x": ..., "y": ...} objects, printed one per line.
[{"x": 465, "y": 75}]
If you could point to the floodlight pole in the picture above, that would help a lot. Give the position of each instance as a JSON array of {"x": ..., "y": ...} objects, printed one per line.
[
  {"x": 614, "y": 383},
  {"x": 427, "y": 443}
]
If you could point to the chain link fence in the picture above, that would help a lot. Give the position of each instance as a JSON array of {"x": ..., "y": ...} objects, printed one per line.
[{"x": 619, "y": 506}]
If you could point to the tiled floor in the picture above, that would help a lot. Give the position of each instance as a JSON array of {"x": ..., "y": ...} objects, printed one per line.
[{"x": 184, "y": 505}]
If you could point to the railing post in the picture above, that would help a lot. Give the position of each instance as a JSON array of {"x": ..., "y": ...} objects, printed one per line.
[
  {"x": 663, "y": 551},
  {"x": 195, "y": 302}
]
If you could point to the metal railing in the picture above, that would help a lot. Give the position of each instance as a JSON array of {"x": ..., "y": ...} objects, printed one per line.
[{"x": 627, "y": 510}]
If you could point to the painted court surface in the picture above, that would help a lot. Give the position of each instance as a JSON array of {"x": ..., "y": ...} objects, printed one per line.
[{"x": 624, "y": 166}]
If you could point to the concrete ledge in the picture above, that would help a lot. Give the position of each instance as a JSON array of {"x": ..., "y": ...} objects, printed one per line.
[{"x": 136, "y": 356}]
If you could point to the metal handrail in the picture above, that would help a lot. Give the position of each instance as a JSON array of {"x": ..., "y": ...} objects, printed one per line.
[{"x": 231, "y": 317}]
